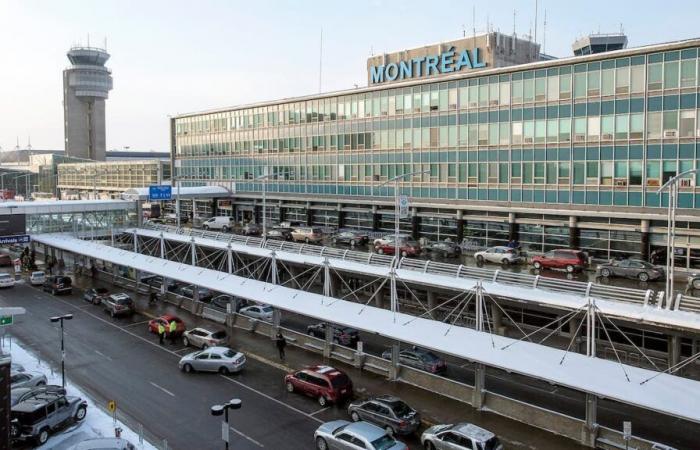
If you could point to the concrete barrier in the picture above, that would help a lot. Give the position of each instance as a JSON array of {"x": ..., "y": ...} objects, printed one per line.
[{"x": 435, "y": 383}]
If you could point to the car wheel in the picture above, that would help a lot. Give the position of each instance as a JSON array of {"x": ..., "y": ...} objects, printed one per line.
[
  {"x": 380, "y": 251},
  {"x": 43, "y": 436},
  {"x": 696, "y": 284},
  {"x": 355, "y": 417},
  {"x": 505, "y": 261},
  {"x": 429, "y": 445},
  {"x": 187, "y": 368},
  {"x": 111, "y": 313},
  {"x": 307, "y": 240},
  {"x": 53, "y": 291},
  {"x": 404, "y": 254},
  {"x": 41, "y": 383},
  {"x": 570, "y": 268},
  {"x": 290, "y": 386},
  {"x": 321, "y": 444},
  {"x": 80, "y": 413},
  {"x": 322, "y": 401},
  {"x": 334, "y": 242},
  {"x": 185, "y": 342},
  {"x": 480, "y": 259},
  {"x": 353, "y": 242},
  {"x": 205, "y": 227},
  {"x": 537, "y": 265},
  {"x": 225, "y": 229},
  {"x": 205, "y": 346},
  {"x": 605, "y": 273},
  {"x": 389, "y": 430},
  {"x": 643, "y": 276},
  {"x": 223, "y": 370}
]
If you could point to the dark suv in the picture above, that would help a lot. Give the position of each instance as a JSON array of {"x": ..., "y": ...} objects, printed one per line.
[
  {"x": 118, "y": 304},
  {"x": 58, "y": 284},
  {"x": 37, "y": 417},
  {"x": 341, "y": 335}
]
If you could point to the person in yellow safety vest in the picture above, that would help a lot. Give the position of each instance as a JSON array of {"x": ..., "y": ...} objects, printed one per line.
[
  {"x": 161, "y": 333},
  {"x": 173, "y": 330}
]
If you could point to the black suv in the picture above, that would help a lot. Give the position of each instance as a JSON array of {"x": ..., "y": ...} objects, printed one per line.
[
  {"x": 39, "y": 416},
  {"x": 341, "y": 335},
  {"x": 58, "y": 284}
]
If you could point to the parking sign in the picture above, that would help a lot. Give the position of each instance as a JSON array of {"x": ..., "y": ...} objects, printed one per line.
[{"x": 403, "y": 206}]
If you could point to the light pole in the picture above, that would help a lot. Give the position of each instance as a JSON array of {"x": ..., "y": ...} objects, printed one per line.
[
  {"x": 176, "y": 179},
  {"x": 218, "y": 410},
  {"x": 63, "y": 351},
  {"x": 264, "y": 177},
  {"x": 672, "y": 186}
]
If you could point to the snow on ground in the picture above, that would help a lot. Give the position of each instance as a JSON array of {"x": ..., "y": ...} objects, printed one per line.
[{"x": 97, "y": 423}]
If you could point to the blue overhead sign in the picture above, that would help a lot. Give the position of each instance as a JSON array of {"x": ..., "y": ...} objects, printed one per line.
[
  {"x": 446, "y": 62},
  {"x": 18, "y": 239},
  {"x": 162, "y": 192}
]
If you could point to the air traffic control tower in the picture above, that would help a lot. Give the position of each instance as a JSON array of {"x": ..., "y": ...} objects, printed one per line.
[{"x": 86, "y": 86}]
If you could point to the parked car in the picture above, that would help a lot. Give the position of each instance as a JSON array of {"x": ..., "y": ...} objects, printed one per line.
[
  {"x": 444, "y": 248},
  {"x": 203, "y": 338},
  {"x": 307, "y": 234},
  {"x": 203, "y": 294},
  {"x": 350, "y": 237},
  {"x": 460, "y": 436},
  {"x": 39, "y": 416},
  {"x": 280, "y": 234},
  {"x": 499, "y": 255},
  {"x": 260, "y": 312},
  {"x": 156, "y": 281},
  {"x": 6, "y": 280},
  {"x": 221, "y": 302},
  {"x": 341, "y": 335},
  {"x": 251, "y": 229},
  {"x": 292, "y": 224},
  {"x": 165, "y": 320},
  {"x": 95, "y": 295},
  {"x": 37, "y": 278},
  {"x": 221, "y": 223},
  {"x": 571, "y": 260},
  {"x": 104, "y": 444},
  {"x": 388, "y": 412},
  {"x": 58, "y": 284},
  {"x": 26, "y": 379},
  {"x": 18, "y": 395},
  {"x": 213, "y": 359},
  {"x": 118, "y": 304},
  {"x": 6, "y": 260},
  {"x": 631, "y": 268},
  {"x": 389, "y": 238},
  {"x": 16, "y": 367},
  {"x": 341, "y": 434},
  {"x": 324, "y": 383},
  {"x": 694, "y": 281},
  {"x": 407, "y": 247},
  {"x": 171, "y": 219},
  {"x": 420, "y": 359}
]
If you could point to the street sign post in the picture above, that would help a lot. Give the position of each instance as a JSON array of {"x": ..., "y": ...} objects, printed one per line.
[
  {"x": 627, "y": 432},
  {"x": 112, "y": 407},
  {"x": 160, "y": 192},
  {"x": 224, "y": 432},
  {"x": 403, "y": 206}
]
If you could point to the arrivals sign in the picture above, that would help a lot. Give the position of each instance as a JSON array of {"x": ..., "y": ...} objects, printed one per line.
[
  {"x": 17, "y": 239},
  {"x": 160, "y": 192},
  {"x": 425, "y": 66}
]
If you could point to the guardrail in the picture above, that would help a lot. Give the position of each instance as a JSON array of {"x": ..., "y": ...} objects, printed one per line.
[
  {"x": 687, "y": 303},
  {"x": 629, "y": 295}
]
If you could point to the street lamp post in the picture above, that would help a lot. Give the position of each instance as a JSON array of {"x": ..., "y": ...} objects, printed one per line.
[
  {"x": 218, "y": 410},
  {"x": 264, "y": 177},
  {"x": 63, "y": 350},
  {"x": 177, "y": 199},
  {"x": 672, "y": 186}
]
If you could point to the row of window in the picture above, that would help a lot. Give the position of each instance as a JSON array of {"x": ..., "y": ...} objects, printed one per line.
[{"x": 613, "y": 77}]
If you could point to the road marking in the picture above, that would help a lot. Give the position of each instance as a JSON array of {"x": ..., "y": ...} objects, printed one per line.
[
  {"x": 179, "y": 350},
  {"x": 102, "y": 354},
  {"x": 162, "y": 389},
  {"x": 270, "y": 363},
  {"x": 136, "y": 323},
  {"x": 247, "y": 437},
  {"x": 320, "y": 411}
]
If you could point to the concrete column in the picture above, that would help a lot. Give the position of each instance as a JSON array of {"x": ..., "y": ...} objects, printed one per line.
[
  {"x": 573, "y": 327},
  {"x": 574, "y": 233},
  {"x": 214, "y": 208},
  {"x": 394, "y": 367},
  {"x": 432, "y": 303},
  {"x": 283, "y": 211},
  {"x": 415, "y": 224},
  {"x": 309, "y": 215},
  {"x": 195, "y": 293},
  {"x": 460, "y": 227},
  {"x": 375, "y": 218},
  {"x": 328, "y": 342},
  {"x": 479, "y": 386},
  {"x": 644, "y": 240},
  {"x": 513, "y": 228},
  {"x": 274, "y": 329},
  {"x": 674, "y": 350},
  {"x": 336, "y": 285},
  {"x": 589, "y": 433},
  {"x": 379, "y": 297},
  {"x": 341, "y": 218},
  {"x": 497, "y": 318},
  {"x": 257, "y": 213}
]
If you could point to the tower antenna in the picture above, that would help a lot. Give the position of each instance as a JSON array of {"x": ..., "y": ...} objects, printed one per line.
[
  {"x": 536, "y": 8},
  {"x": 320, "y": 63},
  {"x": 544, "y": 33},
  {"x": 474, "y": 23}
]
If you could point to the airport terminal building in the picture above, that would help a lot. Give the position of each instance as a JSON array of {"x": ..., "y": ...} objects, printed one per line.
[{"x": 565, "y": 152}]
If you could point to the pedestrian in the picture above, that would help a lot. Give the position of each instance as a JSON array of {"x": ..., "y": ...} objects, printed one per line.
[
  {"x": 173, "y": 330},
  {"x": 161, "y": 333},
  {"x": 281, "y": 344}
]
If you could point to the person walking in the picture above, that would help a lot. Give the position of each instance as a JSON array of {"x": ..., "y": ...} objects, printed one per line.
[
  {"x": 173, "y": 330},
  {"x": 281, "y": 344},
  {"x": 161, "y": 333}
]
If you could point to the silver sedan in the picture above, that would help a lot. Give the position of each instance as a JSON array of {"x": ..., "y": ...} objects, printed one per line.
[
  {"x": 342, "y": 435},
  {"x": 498, "y": 255},
  {"x": 260, "y": 312},
  {"x": 203, "y": 338},
  {"x": 26, "y": 379},
  {"x": 214, "y": 359}
]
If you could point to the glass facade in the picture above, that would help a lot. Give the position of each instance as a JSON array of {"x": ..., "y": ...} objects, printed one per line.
[
  {"x": 606, "y": 132},
  {"x": 111, "y": 176}
]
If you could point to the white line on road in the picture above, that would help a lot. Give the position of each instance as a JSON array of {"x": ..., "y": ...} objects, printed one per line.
[
  {"x": 162, "y": 389},
  {"x": 320, "y": 411},
  {"x": 137, "y": 323},
  {"x": 102, "y": 354},
  {"x": 247, "y": 437}
]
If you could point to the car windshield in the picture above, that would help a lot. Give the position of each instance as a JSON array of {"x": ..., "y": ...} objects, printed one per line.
[
  {"x": 4, "y": 276},
  {"x": 101, "y": 290},
  {"x": 401, "y": 409},
  {"x": 123, "y": 301},
  {"x": 38, "y": 274},
  {"x": 340, "y": 381},
  {"x": 383, "y": 443},
  {"x": 492, "y": 444},
  {"x": 219, "y": 335},
  {"x": 229, "y": 353},
  {"x": 427, "y": 356},
  {"x": 266, "y": 309}
]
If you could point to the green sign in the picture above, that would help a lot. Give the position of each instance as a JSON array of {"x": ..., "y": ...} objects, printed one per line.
[{"x": 5, "y": 320}]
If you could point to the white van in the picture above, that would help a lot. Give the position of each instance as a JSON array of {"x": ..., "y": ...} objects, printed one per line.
[{"x": 223, "y": 223}]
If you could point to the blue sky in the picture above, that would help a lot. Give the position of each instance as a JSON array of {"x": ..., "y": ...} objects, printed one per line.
[{"x": 177, "y": 56}]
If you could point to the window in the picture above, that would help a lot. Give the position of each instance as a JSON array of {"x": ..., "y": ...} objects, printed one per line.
[
  {"x": 607, "y": 128},
  {"x": 621, "y": 126},
  {"x": 579, "y": 172},
  {"x": 564, "y": 130},
  {"x": 655, "y": 77},
  {"x": 637, "y": 79},
  {"x": 637, "y": 126},
  {"x": 606, "y": 173},
  {"x": 565, "y": 86},
  {"x": 671, "y": 75},
  {"x": 654, "y": 125},
  {"x": 669, "y": 170},
  {"x": 670, "y": 125},
  {"x": 579, "y": 85},
  {"x": 608, "y": 82},
  {"x": 592, "y": 173},
  {"x": 593, "y": 83},
  {"x": 688, "y": 73},
  {"x": 517, "y": 132},
  {"x": 483, "y": 96},
  {"x": 653, "y": 173},
  {"x": 517, "y": 92},
  {"x": 687, "y": 123},
  {"x": 622, "y": 80},
  {"x": 579, "y": 129},
  {"x": 540, "y": 89},
  {"x": 635, "y": 175},
  {"x": 553, "y": 89},
  {"x": 593, "y": 128},
  {"x": 528, "y": 90},
  {"x": 504, "y": 96}
]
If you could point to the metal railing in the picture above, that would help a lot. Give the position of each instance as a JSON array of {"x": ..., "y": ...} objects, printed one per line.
[
  {"x": 526, "y": 280},
  {"x": 687, "y": 303}
]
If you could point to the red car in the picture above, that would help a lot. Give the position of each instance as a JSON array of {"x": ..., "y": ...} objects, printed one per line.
[
  {"x": 407, "y": 247},
  {"x": 571, "y": 260},
  {"x": 323, "y": 383},
  {"x": 165, "y": 319}
]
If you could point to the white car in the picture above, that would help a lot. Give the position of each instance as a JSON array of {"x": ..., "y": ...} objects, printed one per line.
[
  {"x": 27, "y": 379},
  {"x": 37, "y": 278},
  {"x": 6, "y": 280},
  {"x": 498, "y": 255},
  {"x": 214, "y": 359},
  {"x": 260, "y": 312},
  {"x": 223, "y": 223},
  {"x": 202, "y": 338},
  {"x": 387, "y": 238},
  {"x": 104, "y": 444}
]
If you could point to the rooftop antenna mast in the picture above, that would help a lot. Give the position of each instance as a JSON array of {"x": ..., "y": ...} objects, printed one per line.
[
  {"x": 320, "y": 63},
  {"x": 536, "y": 9},
  {"x": 544, "y": 33},
  {"x": 514, "y": 14},
  {"x": 474, "y": 24}
]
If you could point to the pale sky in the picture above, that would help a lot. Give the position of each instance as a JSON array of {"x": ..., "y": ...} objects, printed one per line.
[{"x": 172, "y": 56}]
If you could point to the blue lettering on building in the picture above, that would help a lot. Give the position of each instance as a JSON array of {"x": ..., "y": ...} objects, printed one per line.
[{"x": 446, "y": 62}]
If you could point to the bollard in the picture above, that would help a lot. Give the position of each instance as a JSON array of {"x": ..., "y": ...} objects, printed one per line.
[
  {"x": 165, "y": 444},
  {"x": 140, "y": 434}
]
